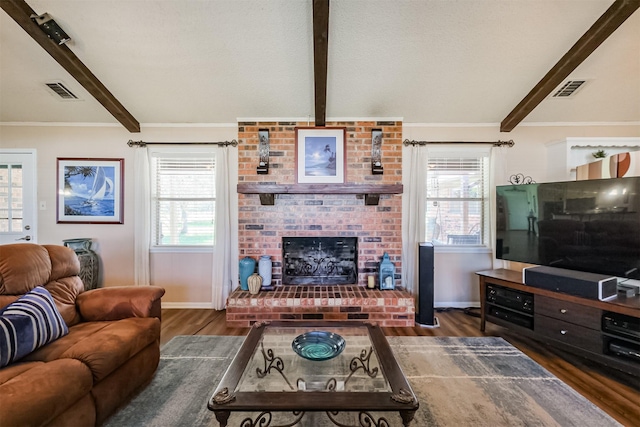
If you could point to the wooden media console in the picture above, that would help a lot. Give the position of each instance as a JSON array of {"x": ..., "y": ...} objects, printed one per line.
[{"x": 597, "y": 330}]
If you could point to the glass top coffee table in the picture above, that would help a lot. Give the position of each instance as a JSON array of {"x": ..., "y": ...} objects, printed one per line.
[{"x": 344, "y": 372}]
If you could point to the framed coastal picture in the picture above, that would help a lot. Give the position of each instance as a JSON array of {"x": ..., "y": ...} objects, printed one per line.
[
  {"x": 320, "y": 155},
  {"x": 90, "y": 191}
]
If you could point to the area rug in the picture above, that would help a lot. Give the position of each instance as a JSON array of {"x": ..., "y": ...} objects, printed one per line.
[{"x": 459, "y": 382}]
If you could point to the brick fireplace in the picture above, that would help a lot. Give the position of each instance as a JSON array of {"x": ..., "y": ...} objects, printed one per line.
[{"x": 376, "y": 227}]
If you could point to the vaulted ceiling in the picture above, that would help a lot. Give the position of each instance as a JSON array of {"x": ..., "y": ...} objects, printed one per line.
[{"x": 427, "y": 61}]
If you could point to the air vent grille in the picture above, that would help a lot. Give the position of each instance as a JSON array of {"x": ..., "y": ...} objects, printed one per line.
[
  {"x": 569, "y": 88},
  {"x": 61, "y": 90}
]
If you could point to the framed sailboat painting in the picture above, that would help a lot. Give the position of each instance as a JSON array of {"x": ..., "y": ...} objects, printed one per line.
[{"x": 90, "y": 191}]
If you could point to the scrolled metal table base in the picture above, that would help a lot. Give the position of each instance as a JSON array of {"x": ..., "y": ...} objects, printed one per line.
[
  {"x": 265, "y": 418},
  {"x": 365, "y": 419}
]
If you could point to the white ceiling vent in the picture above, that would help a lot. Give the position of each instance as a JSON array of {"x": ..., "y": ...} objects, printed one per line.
[
  {"x": 568, "y": 89},
  {"x": 61, "y": 91}
]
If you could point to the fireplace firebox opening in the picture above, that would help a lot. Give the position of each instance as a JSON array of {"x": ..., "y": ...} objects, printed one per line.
[{"x": 319, "y": 260}]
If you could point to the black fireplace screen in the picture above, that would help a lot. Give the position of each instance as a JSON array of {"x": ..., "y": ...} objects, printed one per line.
[{"x": 319, "y": 260}]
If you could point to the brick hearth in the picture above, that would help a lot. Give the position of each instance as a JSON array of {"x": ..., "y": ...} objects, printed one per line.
[{"x": 338, "y": 303}]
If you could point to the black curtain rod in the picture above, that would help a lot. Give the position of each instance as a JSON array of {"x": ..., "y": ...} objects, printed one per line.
[
  {"x": 508, "y": 143},
  {"x": 132, "y": 143}
]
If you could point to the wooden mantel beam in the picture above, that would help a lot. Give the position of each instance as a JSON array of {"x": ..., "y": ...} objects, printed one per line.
[
  {"x": 320, "y": 54},
  {"x": 619, "y": 11},
  {"x": 21, "y": 12}
]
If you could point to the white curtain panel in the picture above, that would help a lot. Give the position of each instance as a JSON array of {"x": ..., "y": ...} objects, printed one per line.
[
  {"x": 224, "y": 262},
  {"x": 413, "y": 206},
  {"x": 142, "y": 217},
  {"x": 497, "y": 176}
]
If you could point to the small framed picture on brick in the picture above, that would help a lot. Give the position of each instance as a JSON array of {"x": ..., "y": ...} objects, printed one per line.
[{"x": 320, "y": 155}]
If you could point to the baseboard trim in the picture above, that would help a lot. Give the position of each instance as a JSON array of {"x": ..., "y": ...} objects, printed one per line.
[
  {"x": 456, "y": 304},
  {"x": 193, "y": 305},
  {"x": 208, "y": 305}
]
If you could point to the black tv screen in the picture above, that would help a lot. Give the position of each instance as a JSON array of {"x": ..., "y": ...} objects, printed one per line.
[{"x": 591, "y": 226}]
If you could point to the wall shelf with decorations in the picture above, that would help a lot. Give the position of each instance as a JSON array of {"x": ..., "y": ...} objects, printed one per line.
[
  {"x": 563, "y": 157},
  {"x": 371, "y": 192}
]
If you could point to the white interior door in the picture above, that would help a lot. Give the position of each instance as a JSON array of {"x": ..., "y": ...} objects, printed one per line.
[
  {"x": 18, "y": 209},
  {"x": 518, "y": 206}
]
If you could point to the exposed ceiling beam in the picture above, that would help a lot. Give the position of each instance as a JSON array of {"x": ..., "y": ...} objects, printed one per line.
[
  {"x": 320, "y": 53},
  {"x": 619, "y": 11},
  {"x": 21, "y": 12}
]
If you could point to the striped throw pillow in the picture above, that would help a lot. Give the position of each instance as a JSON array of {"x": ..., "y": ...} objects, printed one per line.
[{"x": 29, "y": 323}]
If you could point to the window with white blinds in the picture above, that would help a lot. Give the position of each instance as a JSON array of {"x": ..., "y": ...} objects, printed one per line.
[
  {"x": 183, "y": 198},
  {"x": 457, "y": 204}
]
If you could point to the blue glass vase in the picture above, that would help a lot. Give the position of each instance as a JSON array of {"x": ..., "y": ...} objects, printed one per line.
[{"x": 247, "y": 268}]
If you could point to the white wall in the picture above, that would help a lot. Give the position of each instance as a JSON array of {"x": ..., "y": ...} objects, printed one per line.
[
  {"x": 455, "y": 281},
  {"x": 186, "y": 277},
  {"x": 456, "y": 284}
]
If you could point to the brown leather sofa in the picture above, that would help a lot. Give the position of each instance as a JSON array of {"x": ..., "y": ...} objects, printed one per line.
[{"x": 112, "y": 349}]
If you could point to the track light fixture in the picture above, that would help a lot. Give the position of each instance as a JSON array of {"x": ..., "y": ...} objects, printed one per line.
[{"x": 51, "y": 28}]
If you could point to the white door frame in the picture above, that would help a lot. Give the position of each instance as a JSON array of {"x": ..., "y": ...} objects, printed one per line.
[{"x": 32, "y": 172}]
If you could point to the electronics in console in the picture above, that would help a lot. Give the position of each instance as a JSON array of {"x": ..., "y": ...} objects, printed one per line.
[
  {"x": 510, "y": 298},
  {"x": 510, "y": 305},
  {"x": 624, "y": 349},
  {"x": 511, "y": 317},
  {"x": 627, "y": 291},
  {"x": 621, "y": 335},
  {"x": 621, "y": 325}
]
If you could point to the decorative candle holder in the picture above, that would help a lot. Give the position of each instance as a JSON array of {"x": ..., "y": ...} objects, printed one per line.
[
  {"x": 371, "y": 283},
  {"x": 387, "y": 273}
]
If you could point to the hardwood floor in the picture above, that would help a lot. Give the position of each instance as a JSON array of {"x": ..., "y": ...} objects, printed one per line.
[{"x": 615, "y": 393}]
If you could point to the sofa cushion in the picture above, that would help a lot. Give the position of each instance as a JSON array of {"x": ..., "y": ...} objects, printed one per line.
[
  {"x": 77, "y": 333},
  {"x": 29, "y": 323},
  {"x": 9, "y": 372},
  {"x": 64, "y": 262},
  {"x": 65, "y": 291},
  {"x": 102, "y": 346},
  {"x": 23, "y": 266},
  {"x": 5, "y": 300},
  {"x": 38, "y": 395}
]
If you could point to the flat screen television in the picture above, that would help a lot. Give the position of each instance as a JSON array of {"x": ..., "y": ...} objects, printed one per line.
[{"x": 591, "y": 226}]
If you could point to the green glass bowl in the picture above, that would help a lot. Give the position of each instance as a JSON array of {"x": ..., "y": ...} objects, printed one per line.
[{"x": 318, "y": 345}]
